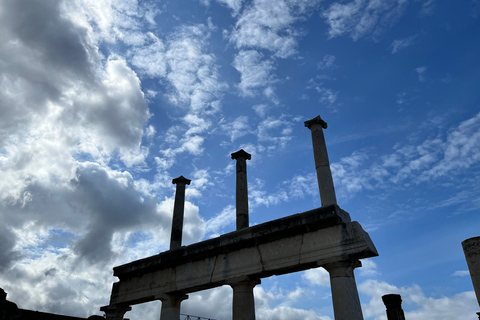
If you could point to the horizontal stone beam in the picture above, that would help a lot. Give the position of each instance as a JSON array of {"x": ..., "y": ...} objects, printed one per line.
[{"x": 295, "y": 243}]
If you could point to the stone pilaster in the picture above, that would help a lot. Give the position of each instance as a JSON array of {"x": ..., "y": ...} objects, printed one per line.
[
  {"x": 346, "y": 303},
  {"x": 178, "y": 212},
  {"x": 243, "y": 300},
  {"x": 471, "y": 248},
  {"x": 322, "y": 164},
  {"x": 171, "y": 305},
  {"x": 242, "y": 189},
  {"x": 393, "y": 302},
  {"x": 115, "y": 312}
]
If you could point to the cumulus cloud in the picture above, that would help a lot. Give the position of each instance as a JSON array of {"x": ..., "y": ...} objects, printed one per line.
[{"x": 262, "y": 34}]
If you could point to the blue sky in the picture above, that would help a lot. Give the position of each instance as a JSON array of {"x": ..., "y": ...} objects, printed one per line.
[{"x": 103, "y": 103}]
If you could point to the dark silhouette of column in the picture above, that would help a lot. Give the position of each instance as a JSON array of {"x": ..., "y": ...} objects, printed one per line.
[
  {"x": 393, "y": 302},
  {"x": 242, "y": 190},
  {"x": 115, "y": 312},
  {"x": 471, "y": 248},
  {"x": 322, "y": 165},
  {"x": 346, "y": 303},
  {"x": 178, "y": 212}
]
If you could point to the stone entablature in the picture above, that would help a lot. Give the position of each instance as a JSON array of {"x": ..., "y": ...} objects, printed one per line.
[{"x": 294, "y": 243}]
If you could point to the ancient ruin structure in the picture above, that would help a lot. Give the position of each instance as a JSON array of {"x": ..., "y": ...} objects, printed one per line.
[
  {"x": 323, "y": 237},
  {"x": 471, "y": 248}
]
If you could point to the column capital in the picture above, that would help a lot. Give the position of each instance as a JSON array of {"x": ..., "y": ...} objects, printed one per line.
[
  {"x": 171, "y": 299},
  {"x": 115, "y": 312},
  {"x": 243, "y": 280},
  {"x": 241, "y": 154},
  {"x": 392, "y": 300},
  {"x": 181, "y": 180},
  {"x": 343, "y": 268},
  {"x": 316, "y": 120}
]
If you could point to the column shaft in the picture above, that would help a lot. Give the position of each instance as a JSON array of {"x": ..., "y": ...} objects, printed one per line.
[
  {"x": 171, "y": 306},
  {"x": 393, "y": 302},
  {"x": 243, "y": 300},
  {"x": 322, "y": 164},
  {"x": 471, "y": 248},
  {"x": 241, "y": 193},
  {"x": 346, "y": 303},
  {"x": 178, "y": 212}
]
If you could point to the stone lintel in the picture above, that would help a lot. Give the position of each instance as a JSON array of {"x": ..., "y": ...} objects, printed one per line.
[
  {"x": 180, "y": 180},
  {"x": 286, "y": 245},
  {"x": 316, "y": 120},
  {"x": 241, "y": 154},
  {"x": 315, "y": 219}
]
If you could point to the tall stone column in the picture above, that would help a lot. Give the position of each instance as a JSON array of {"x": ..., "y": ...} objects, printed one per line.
[
  {"x": 115, "y": 312},
  {"x": 322, "y": 165},
  {"x": 243, "y": 300},
  {"x": 471, "y": 248},
  {"x": 242, "y": 190},
  {"x": 346, "y": 303},
  {"x": 171, "y": 305},
  {"x": 393, "y": 302},
  {"x": 178, "y": 212}
]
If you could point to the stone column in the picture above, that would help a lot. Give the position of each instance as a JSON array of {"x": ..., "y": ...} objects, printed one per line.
[
  {"x": 243, "y": 300},
  {"x": 346, "y": 303},
  {"x": 115, "y": 312},
  {"x": 242, "y": 190},
  {"x": 178, "y": 211},
  {"x": 471, "y": 248},
  {"x": 171, "y": 305},
  {"x": 393, "y": 302},
  {"x": 322, "y": 165}
]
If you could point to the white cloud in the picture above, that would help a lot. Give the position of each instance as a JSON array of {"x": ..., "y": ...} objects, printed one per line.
[
  {"x": 363, "y": 18},
  {"x": 416, "y": 305},
  {"x": 421, "y": 73},
  {"x": 436, "y": 158},
  {"x": 217, "y": 224},
  {"x": 263, "y": 26},
  {"x": 317, "y": 276},
  {"x": 461, "y": 273},
  {"x": 235, "y": 5},
  {"x": 402, "y": 44},
  {"x": 328, "y": 61},
  {"x": 237, "y": 128},
  {"x": 254, "y": 71}
]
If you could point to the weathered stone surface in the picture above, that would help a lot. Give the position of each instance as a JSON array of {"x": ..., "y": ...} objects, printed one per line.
[
  {"x": 241, "y": 191},
  {"x": 178, "y": 212},
  {"x": 471, "y": 248},
  {"x": 290, "y": 244},
  {"x": 322, "y": 164}
]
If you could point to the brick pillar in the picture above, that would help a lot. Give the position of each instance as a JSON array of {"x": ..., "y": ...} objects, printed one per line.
[
  {"x": 242, "y": 189},
  {"x": 178, "y": 212},
  {"x": 322, "y": 165}
]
